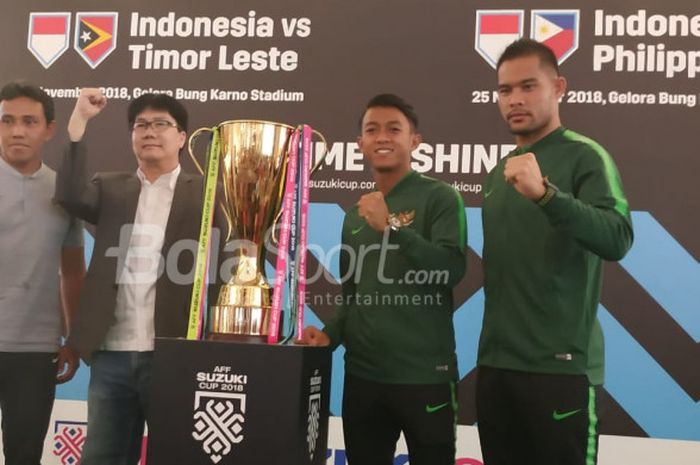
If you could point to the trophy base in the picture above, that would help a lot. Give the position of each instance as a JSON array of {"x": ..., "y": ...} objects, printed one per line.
[{"x": 282, "y": 387}]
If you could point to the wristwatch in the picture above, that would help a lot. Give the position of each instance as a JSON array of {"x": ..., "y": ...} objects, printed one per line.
[
  {"x": 393, "y": 222},
  {"x": 549, "y": 193}
]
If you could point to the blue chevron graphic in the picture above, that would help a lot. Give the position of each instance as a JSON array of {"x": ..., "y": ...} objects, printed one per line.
[
  {"x": 643, "y": 388},
  {"x": 324, "y": 234},
  {"x": 89, "y": 245},
  {"x": 666, "y": 271},
  {"x": 675, "y": 288},
  {"x": 469, "y": 316},
  {"x": 77, "y": 388},
  {"x": 622, "y": 349},
  {"x": 338, "y": 374},
  {"x": 475, "y": 231},
  {"x": 467, "y": 321}
]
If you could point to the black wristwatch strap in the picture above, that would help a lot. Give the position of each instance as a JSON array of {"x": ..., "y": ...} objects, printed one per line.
[{"x": 549, "y": 193}]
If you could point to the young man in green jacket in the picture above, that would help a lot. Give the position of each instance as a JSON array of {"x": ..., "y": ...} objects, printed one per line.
[
  {"x": 553, "y": 210},
  {"x": 403, "y": 252}
]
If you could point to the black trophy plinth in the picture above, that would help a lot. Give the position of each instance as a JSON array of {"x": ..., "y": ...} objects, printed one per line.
[{"x": 228, "y": 403}]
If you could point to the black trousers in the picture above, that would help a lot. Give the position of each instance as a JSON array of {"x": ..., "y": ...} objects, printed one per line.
[
  {"x": 536, "y": 419},
  {"x": 374, "y": 414},
  {"x": 27, "y": 390}
]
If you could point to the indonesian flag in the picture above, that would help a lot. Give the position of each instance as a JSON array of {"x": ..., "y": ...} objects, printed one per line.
[
  {"x": 495, "y": 30},
  {"x": 48, "y": 36}
]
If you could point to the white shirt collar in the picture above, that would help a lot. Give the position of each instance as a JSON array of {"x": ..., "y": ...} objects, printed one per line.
[{"x": 166, "y": 179}]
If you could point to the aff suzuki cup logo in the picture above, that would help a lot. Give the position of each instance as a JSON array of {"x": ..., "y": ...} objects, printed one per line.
[
  {"x": 314, "y": 412},
  {"x": 219, "y": 411}
]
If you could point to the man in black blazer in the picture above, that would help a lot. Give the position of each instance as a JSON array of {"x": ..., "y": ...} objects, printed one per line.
[{"x": 139, "y": 282}]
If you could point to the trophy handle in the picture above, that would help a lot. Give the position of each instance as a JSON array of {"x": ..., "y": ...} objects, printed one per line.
[
  {"x": 313, "y": 170},
  {"x": 190, "y": 143}
]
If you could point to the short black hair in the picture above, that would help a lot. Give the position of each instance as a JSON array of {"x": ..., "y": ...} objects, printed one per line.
[
  {"x": 158, "y": 102},
  {"x": 392, "y": 101},
  {"x": 528, "y": 47},
  {"x": 18, "y": 89}
]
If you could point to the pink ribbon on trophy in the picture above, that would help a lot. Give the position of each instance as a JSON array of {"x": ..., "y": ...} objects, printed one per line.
[
  {"x": 303, "y": 227},
  {"x": 293, "y": 233},
  {"x": 283, "y": 242}
]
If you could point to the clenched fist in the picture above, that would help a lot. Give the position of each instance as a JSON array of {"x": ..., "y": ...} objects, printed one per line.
[
  {"x": 313, "y": 336},
  {"x": 90, "y": 103},
  {"x": 373, "y": 209},
  {"x": 523, "y": 172}
]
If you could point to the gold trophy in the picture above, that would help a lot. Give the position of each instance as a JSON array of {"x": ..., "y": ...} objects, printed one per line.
[{"x": 254, "y": 157}]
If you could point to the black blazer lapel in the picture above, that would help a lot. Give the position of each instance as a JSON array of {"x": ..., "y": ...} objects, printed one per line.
[{"x": 181, "y": 209}]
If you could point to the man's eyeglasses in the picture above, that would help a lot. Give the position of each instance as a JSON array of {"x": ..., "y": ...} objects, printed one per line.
[{"x": 158, "y": 125}]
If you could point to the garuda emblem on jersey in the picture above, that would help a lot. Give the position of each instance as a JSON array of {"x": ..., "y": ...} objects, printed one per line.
[{"x": 406, "y": 217}]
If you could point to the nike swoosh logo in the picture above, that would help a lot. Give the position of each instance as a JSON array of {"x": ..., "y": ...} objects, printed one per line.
[
  {"x": 433, "y": 409},
  {"x": 357, "y": 230},
  {"x": 486, "y": 194},
  {"x": 560, "y": 416}
]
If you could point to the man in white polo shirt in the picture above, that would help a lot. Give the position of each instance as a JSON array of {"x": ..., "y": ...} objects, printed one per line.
[{"x": 37, "y": 240}]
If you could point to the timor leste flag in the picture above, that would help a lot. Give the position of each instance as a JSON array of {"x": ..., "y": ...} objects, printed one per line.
[{"x": 95, "y": 36}]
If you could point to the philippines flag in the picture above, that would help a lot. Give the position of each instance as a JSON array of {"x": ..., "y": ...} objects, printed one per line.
[
  {"x": 558, "y": 29},
  {"x": 48, "y": 35},
  {"x": 495, "y": 30}
]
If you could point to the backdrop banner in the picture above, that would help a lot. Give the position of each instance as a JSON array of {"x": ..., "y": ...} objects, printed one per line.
[{"x": 632, "y": 69}]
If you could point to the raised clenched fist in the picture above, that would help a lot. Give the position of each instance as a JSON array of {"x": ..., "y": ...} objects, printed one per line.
[{"x": 523, "y": 172}]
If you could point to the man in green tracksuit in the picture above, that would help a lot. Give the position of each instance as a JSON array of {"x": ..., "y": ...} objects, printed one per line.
[
  {"x": 553, "y": 210},
  {"x": 403, "y": 252}
]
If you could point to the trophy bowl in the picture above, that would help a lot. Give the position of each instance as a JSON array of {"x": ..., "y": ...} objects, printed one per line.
[{"x": 254, "y": 156}]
